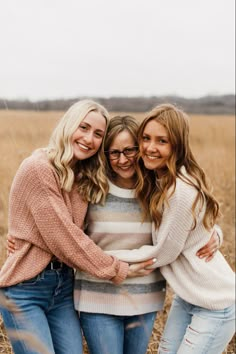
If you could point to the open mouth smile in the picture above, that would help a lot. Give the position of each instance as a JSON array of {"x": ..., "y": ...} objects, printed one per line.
[
  {"x": 125, "y": 167},
  {"x": 82, "y": 146},
  {"x": 152, "y": 157}
]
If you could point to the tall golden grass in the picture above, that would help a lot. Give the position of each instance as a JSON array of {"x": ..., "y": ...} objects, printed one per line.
[{"x": 213, "y": 143}]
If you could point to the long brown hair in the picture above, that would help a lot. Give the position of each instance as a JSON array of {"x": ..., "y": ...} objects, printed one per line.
[{"x": 152, "y": 192}]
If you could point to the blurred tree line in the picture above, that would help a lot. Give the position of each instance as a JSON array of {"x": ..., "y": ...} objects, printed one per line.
[{"x": 224, "y": 104}]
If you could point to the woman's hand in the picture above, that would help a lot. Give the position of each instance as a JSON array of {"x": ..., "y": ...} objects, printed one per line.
[
  {"x": 11, "y": 247},
  {"x": 208, "y": 251},
  {"x": 140, "y": 269}
]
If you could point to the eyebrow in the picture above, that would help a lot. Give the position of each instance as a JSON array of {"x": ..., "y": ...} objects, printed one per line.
[
  {"x": 97, "y": 130},
  {"x": 126, "y": 147},
  {"x": 157, "y": 136}
]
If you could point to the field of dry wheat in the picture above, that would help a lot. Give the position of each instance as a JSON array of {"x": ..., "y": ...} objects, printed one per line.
[{"x": 213, "y": 143}]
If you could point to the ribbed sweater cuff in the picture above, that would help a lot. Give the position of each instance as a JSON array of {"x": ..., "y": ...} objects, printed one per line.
[{"x": 122, "y": 273}]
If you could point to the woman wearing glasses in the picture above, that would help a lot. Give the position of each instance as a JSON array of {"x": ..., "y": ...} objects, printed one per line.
[{"x": 120, "y": 319}]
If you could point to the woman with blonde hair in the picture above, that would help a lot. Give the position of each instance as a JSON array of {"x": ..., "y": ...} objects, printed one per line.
[
  {"x": 173, "y": 190},
  {"x": 47, "y": 206}
]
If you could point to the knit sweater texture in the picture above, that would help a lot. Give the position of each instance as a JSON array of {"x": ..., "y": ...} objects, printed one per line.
[
  {"x": 211, "y": 284},
  {"x": 118, "y": 225},
  {"x": 46, "y": 221}
]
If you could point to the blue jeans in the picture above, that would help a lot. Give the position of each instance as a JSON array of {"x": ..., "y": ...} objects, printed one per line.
[
  {"x": 108, "y": 334},
  {"x": 196, "y": 330},
  {"x": 44, "y": 320}
]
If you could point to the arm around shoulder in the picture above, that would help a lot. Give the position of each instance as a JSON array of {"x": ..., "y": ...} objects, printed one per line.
[{"x": 36, "y": 192}]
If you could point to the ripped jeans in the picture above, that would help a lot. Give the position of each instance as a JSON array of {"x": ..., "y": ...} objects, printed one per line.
[{"x": 196, "y": 330}]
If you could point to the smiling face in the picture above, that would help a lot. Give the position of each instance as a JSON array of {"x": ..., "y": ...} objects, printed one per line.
[
  {"x": 123, "y": 166},
  {"x": 87, "y": 139},
  {"x": 155, "y": 146}
]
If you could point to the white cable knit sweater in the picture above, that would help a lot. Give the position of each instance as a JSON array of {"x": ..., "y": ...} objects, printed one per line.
[{"x": 207, "y": 284}]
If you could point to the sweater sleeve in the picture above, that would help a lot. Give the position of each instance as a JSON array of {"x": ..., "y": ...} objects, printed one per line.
[
  {"x": 219, "y": 234},
  {"x": 170, "y": 238},
  {"x": 60, "y": 234}
]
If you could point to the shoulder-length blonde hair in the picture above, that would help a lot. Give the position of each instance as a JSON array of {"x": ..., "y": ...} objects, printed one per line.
[
  {"x": 153, "y": 193},
  {"x": 90, "y": 173}
]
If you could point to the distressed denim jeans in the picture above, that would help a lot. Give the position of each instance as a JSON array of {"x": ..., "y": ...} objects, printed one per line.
[
  {"x": 45, "y": 321},
  {"x": 108, "y": 334},
  {"x": 196, "y": 330}
]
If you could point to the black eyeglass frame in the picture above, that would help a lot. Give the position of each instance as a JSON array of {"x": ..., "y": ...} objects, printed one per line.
[{"x": 125, "y": 152}]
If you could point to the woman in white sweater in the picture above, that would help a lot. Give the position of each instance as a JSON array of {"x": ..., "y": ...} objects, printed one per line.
[{"x": 172, "y": 188}]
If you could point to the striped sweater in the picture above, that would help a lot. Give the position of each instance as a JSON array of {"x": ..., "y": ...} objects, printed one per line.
[{"x": 114, "y": 226}]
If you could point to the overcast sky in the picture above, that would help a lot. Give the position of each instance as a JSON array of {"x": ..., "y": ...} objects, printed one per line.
[{"x": 69, "y": 48}]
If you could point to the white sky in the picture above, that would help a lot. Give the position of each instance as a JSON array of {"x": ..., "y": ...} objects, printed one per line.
[{"x": 69, "y": 48}]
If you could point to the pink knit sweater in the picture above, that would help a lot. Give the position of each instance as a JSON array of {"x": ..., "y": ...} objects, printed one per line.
[{"x": 47, "y": 221}]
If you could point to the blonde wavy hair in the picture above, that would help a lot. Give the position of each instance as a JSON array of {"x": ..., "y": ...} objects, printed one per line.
[
  {"x": 154, "y": 193},
  {"x": 90, "y": 173}
]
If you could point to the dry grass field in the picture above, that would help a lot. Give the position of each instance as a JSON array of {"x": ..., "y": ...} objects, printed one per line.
[{"x": 213, "y": 142}]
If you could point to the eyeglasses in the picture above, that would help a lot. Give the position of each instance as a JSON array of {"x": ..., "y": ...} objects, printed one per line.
[{"x": 128, "y": 152}]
